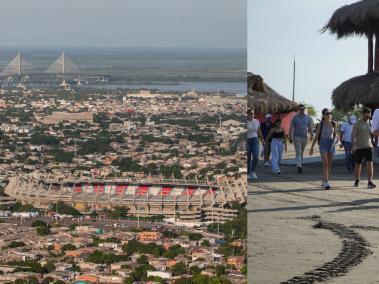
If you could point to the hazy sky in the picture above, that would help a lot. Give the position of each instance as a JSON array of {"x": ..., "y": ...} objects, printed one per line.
[
  {"x": 278, "y": 29},
  {"x": 130, "y": 23}
]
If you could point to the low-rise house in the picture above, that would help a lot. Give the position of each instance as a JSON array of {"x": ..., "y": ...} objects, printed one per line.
[
  {"x": 161, "y": 274},
  {"x": 237, "y": 261}
]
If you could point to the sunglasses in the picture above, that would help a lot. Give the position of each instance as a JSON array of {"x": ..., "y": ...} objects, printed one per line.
[{"x": 327, "y": 113}]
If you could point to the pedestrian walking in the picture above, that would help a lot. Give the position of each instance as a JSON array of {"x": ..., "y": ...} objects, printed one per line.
[
  {"x": 345, "y": 138},
  {"x": 266, "y": 127},
  {"x": 362, "y": 147},
  {"x": 326, "y": 138},
  {"x": 253, "y": 135},
  {"x": 301, "y": 125},
  {"x": 277, "y": 137}
]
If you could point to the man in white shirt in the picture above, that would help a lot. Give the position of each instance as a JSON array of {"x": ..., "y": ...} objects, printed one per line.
[{"x": 345, "y": 138}]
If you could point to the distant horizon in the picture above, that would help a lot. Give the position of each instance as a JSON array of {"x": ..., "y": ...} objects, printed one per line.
[{"x": 113, "y": 47}]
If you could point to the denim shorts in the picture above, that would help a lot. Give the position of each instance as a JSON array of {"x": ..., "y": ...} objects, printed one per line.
[{"x": 326, "y": 146}]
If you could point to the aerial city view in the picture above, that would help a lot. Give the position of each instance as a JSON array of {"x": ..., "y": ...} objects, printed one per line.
[{"x": 122, "y": 164}]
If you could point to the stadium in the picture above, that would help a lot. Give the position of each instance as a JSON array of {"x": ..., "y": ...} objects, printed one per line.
[{"x": 183, "y": 199}]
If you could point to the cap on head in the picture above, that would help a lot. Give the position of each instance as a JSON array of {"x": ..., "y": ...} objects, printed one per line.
[{"x": 268, "y": 115}]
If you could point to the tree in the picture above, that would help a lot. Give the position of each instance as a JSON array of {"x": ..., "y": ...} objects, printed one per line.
[
  {"x": 311, "y": 110},
  {"x": 43, "y": 231},
  {"x": 195, "y": 236},
  {"x": 183, "y": 281},
  {"x": 129, "y": 280},
  {"x": 15, "y": 244},
  {"x": 220, "y": 270},
  {"x": 179, "y": 269},
  {"x": 68, "y": 246},
  {"x": 143, "y": 259},
  {"x": 39, "y": 223},
  {"x": 47, "y": 280},
  {"x": 194, "y": 270},
  {"x": 49, "y": 267},
  {"x": 73, "y": 226}
]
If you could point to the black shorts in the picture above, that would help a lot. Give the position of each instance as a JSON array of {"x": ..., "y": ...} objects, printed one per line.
[{"x": 361, "y": 154}]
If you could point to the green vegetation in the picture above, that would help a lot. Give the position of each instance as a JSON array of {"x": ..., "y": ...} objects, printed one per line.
[
  {"x": 174, "y": 251},
  {"x": 39, "y": 223},
  {"x": 63, "y": 208},
  {"x": 96, "y": 240},
  {"x": 107, "y": 258},
  {"x": 73, "y": 226},
  {"x": 43, "y": 231},
  {"x": 49, "y": 267},
  {"x": 169, "y": 234},
  {"x": 118, "y": 212},
  {"x": 40, "y": 138},
  {"x": 233, "y": 229},
  {"x": 151, "y": 138},
  {"x": 61, "y": 156},
  {"x": 18, "y": 207},
  {"x": 195, "y": 236},
  {"x": 179, "y": 269},
  {"x": 68, "y": 246},
  {"x": 15, "y": 244},
  {"x": 134, "y": 246}
]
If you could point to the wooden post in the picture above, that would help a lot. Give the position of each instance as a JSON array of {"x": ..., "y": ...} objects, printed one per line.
[
  {"x": 376, "y": 51},
  {"x": 370, "y": 52}
]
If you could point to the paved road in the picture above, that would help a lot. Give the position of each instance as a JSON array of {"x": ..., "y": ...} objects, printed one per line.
[{"x": 283, "y": 243}]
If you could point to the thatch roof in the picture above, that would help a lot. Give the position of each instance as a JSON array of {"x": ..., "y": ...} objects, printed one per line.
[
  {"x": 268, "y": 101},
  {"x": 357, "y": 90},
  {"x": 355, "y": 19}
]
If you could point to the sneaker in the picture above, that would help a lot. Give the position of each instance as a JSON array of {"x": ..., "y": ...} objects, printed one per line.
[
  {"x": 299, "y": 170},
  {"x": 323, "y": 184},
  {"x": 278, "y": 172},
  {"x": 267, "y": 164},
  {"x": 356, "y": 183},
  {"x": 327, "y": 185},
  {"x": 254, "y": 176},
  {"x": 371, "y": 185}
]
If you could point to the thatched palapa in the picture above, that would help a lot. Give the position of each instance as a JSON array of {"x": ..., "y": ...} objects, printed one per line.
[
  {"x": 357, "y": 90},
  {"x": 266, "y": 100},
  {"x": 362, "y": 19}
]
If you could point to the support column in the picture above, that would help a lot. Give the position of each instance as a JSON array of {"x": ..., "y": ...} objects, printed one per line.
[{"x": 376, "y": 53}]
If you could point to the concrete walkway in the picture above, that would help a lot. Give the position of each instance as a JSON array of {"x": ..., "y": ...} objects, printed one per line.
[{"x": 283, "y": 242}]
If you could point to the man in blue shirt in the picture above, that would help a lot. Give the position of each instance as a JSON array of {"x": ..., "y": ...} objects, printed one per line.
[
  {"x": 301, "y": 124},
  {"x": 265, "y": 128}
]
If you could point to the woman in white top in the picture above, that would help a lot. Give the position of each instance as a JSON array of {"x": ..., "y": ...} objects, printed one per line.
[{"x": 253, "y": 135}]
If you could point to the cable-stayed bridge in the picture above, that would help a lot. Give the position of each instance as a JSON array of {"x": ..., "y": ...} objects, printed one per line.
[
  {"x": 20, "y": 68},
  {"x": 63, "y": 65}
]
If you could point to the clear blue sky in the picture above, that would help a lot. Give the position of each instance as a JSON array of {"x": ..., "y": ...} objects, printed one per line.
[
  {"x": 124, "y": 23},
  {"x": 278, "y": 29}
]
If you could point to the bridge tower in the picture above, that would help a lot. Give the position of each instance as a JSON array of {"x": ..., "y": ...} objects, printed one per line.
[
  {"x": 62, "y": 67},
  {"x": 18, "y": 68}
]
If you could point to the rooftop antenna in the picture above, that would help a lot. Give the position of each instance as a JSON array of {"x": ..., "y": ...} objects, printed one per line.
[{"x": 294, "y": 77}]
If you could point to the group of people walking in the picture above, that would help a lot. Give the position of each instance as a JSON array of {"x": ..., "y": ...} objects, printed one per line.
[{"x": 355, "y": 136}]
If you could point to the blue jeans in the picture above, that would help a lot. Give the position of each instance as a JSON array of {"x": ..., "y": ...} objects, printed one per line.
[
  {"x": 349, "y": 159},
  {"x": 276, "y": 153},
  {"x": 252, "y": 146}
]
